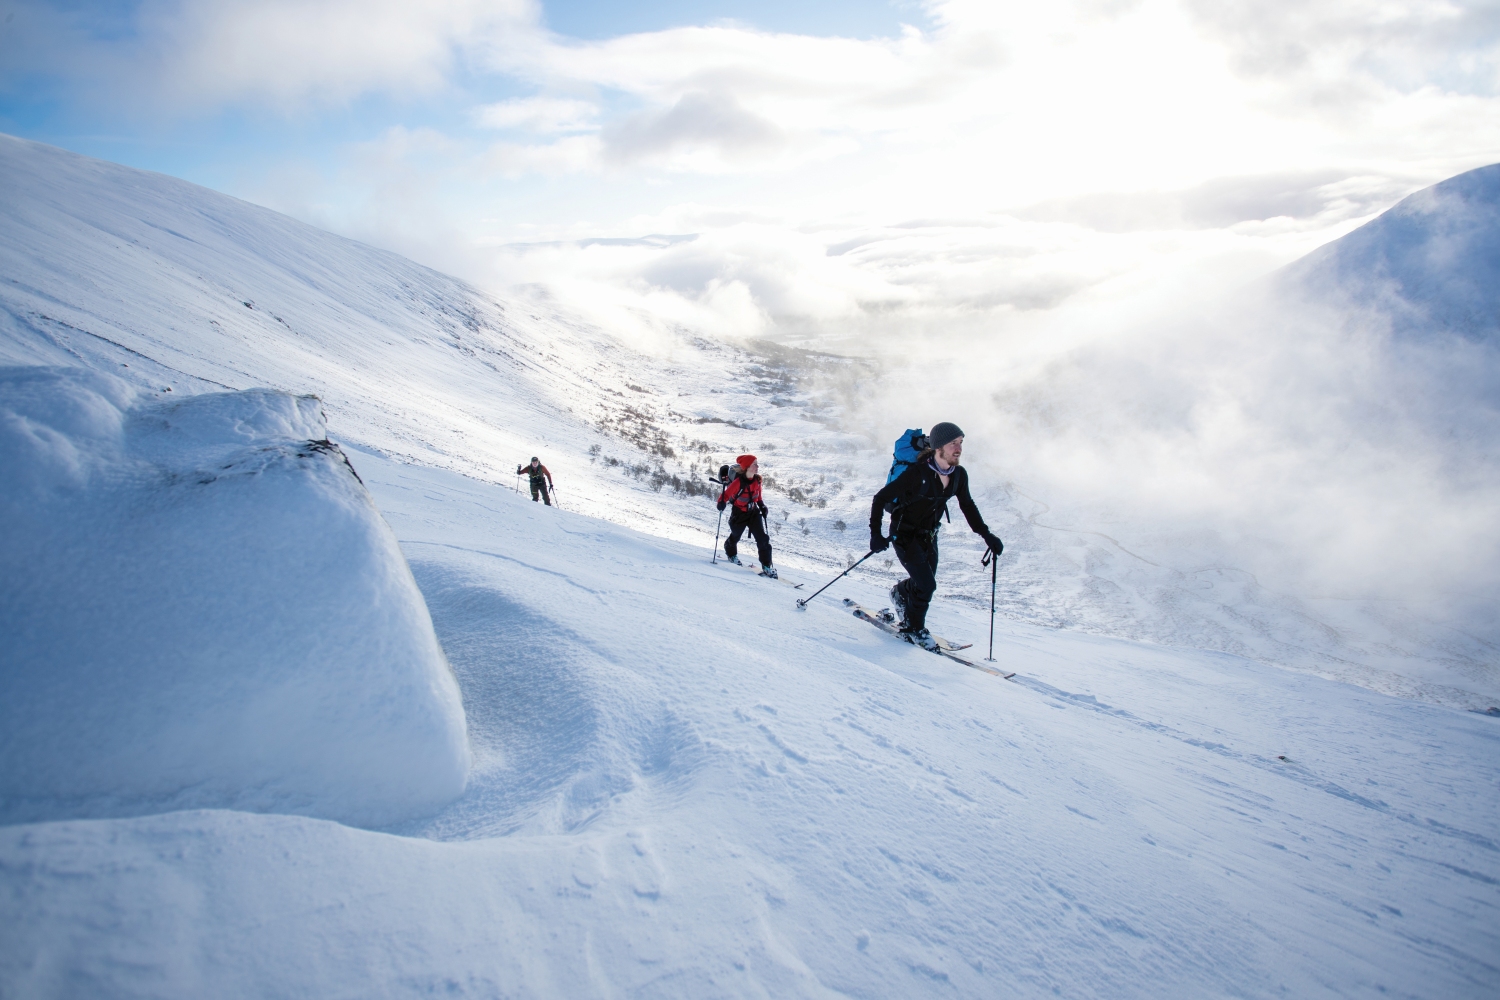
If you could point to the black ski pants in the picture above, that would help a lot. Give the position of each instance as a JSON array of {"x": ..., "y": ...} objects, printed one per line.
[
  {"x": 738, "y": 522},
  {"x": 540, "y": 485},
  {"x": 919, "y": 557}
]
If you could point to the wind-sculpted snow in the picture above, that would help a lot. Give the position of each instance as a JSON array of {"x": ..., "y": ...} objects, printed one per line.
[{"x": 202, "y": 607}]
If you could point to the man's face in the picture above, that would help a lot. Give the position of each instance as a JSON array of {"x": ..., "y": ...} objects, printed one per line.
[{"x": 949, "y": 453}]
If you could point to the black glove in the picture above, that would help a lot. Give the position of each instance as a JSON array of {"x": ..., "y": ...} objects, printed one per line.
[
  {"x": 993, "y": 541},
  {"x": 722, "y": 505},
  {"x": 764, "y": 511},
  {"x": 878, "y": 542}
]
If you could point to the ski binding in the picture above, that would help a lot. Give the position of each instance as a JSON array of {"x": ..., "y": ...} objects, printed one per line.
[{"x": 886, "y": 623}]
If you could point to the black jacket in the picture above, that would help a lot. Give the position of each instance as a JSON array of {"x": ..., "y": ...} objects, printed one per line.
[
  {"x": 537, "y": 472},
  {"x": 922, "y": 500}
]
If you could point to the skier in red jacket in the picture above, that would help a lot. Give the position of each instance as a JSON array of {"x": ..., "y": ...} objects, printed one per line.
[{"x": 743, "y": 491}]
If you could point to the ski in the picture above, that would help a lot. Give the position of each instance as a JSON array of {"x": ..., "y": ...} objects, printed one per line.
[
  {"x": 945, "y": 649},
  {"x": 755, "y": 568}
]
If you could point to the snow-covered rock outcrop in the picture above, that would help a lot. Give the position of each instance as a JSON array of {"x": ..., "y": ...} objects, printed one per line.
[{"x": 202, "y": 608}]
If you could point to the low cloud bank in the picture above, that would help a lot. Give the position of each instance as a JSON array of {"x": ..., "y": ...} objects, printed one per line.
[{"x": 1333, "y": 428}]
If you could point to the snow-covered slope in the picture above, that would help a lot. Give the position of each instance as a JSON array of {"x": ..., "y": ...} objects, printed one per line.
[
  {"x": 685, "y": 787},
  {"x": 202, "y": 607},
  {"x": 167, "y": 284}
]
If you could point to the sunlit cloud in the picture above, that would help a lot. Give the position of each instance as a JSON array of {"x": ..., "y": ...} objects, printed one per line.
[
  {"x": 190, "y": 56},
  {"x": 569, "y": 155},
  {"x": 540, "y": 114},
  {"x": 698, "y": 123}
]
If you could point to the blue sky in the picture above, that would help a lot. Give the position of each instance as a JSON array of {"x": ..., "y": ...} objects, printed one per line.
[
  {"x": 965, "y": 168},
  {"x": 215, "y": 148},
  {"x": 597, "y": 19}
]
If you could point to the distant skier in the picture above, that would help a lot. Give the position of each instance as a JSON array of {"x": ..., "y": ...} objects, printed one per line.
[
  {"x": 743, "y": 492},
  {"x": 922, "y": 493},
  {"x": 541, "y": 479}
]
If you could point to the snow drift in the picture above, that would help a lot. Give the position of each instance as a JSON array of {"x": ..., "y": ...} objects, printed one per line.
[{"x": 204, "y": 608}]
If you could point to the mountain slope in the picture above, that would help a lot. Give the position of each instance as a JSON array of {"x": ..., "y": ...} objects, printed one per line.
[
  {"x": 684, "y": 787},
  {"x": 1430, "y": 264},
  {"x": 168, "y": 284},
  {"x": 681, "y": 784}
]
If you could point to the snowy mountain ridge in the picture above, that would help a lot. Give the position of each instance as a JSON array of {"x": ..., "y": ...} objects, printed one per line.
[{"x": 1431, "y": 264}]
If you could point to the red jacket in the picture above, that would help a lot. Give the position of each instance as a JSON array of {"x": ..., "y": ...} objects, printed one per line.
[{"x": 743, "y": 493}]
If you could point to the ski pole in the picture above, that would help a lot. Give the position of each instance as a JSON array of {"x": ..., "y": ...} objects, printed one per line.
[
  {"x": 994, "y": 563},
  {"x": 715, "y": 559},
  {"x": 802, "y": 602},
  {"x": 518, "y": 482},
  {"x": 556, "y": 502}
]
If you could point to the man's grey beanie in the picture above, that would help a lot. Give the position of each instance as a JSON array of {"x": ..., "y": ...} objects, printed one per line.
[{"x": 943, "y": 433}]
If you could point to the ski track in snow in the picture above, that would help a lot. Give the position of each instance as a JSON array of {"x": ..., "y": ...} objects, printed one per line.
[{"x": 682, "y": 785}]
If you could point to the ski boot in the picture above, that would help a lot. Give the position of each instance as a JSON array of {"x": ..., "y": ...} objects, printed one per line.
[
  {"x": 733, "y": 559},
  {"x": 920, "y": 637},
  {"x": 898, "y": 599},
  {"x": 769, "y": 571}
]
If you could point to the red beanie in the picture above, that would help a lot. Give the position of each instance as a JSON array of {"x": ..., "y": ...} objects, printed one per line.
[{"x": 745, "y": 461}]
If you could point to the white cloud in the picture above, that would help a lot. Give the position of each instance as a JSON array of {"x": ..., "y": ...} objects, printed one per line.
[
  {"x": 569, "y": 155},
  {"x": 174, "y": 56},
  {"x": 1017, "y": 162},
  {"x": 1403, "y": 46},
  {"x": 540, "y": 114},
  {"x": 700, "y": 125}
]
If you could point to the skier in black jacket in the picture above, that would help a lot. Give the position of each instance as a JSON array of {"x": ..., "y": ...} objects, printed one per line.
[
  {"x": 541, "y": 479},
  {"x": 922, "y": 493}
]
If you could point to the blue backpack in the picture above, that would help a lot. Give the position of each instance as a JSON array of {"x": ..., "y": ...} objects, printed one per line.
[{"x": 909, "y": 446}]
